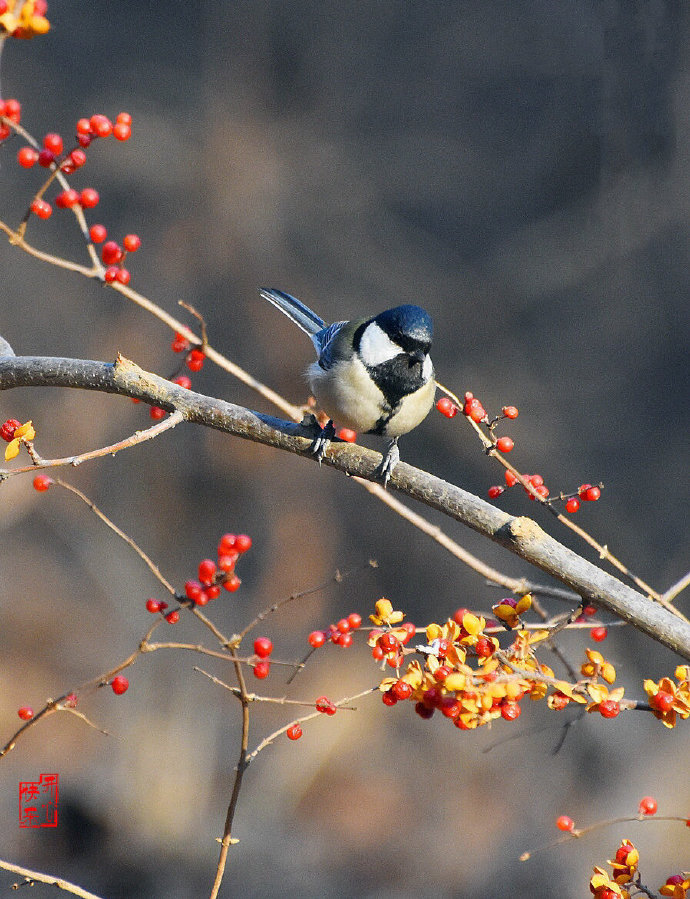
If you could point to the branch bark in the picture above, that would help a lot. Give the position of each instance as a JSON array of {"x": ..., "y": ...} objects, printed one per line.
[{"x": 520, "y": 535}]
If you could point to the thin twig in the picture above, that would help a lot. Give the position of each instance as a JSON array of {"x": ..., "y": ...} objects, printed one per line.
[{"x": 30, "y": 876}]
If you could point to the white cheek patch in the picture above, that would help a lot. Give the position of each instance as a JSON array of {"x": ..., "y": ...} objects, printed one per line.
[
  {"x": 427, "y": 369},
  {"x": 376, "y": 346}
]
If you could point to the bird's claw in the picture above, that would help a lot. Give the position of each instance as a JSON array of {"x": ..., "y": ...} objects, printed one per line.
[
  {"x": 322, "y": 440},
  {"x": 388, "y": 463}
]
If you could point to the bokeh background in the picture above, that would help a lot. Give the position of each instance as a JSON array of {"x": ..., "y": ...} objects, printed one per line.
[{"x": 518, "y": 168}]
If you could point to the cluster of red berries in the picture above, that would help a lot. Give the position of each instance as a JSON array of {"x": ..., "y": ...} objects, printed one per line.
[
  {"x": 211, "y": 577},
  {"x": 263, "y": 647},
  {"x": 340, "y": 633},
  {"x": 52, "y": 155},
  {"x": 113, "y": 254},
  {"x": 12, "y": 111},
  {"x": 585, "y": 492},
  {"x": 195, "y": 357}
]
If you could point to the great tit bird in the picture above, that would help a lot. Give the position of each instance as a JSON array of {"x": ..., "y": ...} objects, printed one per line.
[{"x": 373, "y": 375}]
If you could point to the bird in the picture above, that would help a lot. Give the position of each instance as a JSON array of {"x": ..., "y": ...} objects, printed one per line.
[{"x": 373, "y": 375}]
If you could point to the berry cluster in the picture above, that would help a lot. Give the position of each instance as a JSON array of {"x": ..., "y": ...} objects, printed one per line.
[
  {"x": 23, "y": 18},
  {"x": 340, "y": 633},
  {"x": 194, "y": 360},
  {"x": 473, "y": 409},
  {"x": 211, "y": 577},
  {"x": 463, "y": 672}
]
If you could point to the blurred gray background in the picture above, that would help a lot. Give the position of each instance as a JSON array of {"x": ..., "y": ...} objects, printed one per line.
[{"x": 518, "y": 168}]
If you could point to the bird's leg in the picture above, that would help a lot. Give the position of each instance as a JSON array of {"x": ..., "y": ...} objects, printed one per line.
[
  {"x": 322, "y": 440},
  {"x": 389, "y": 461}
]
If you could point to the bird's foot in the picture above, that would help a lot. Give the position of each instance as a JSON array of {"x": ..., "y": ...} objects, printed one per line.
[
  {"x": 322, "y": 440},
  {"x": 388, "y": 463}
]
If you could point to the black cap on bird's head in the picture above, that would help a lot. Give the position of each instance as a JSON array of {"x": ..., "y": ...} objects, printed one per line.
[{"x": 408, "y": 326}]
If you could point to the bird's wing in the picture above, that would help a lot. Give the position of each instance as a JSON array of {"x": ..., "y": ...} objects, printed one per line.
[
  {"x": 296, "y": 311},
  {"x": 324, "y": 341}
]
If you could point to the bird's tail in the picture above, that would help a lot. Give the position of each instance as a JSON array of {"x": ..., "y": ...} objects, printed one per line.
[{"x": 295, "y": 310}]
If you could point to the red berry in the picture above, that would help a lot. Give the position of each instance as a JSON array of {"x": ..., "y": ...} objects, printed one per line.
[
  {"x": 46, "y": 158},
  {"x": 609, "y": 708},
  {"x": 243, "y": 542},
  {"x": 423, "y": 711},
  {"x": 13, "y": 110},
  {"x": 232, "y": 583},
  {"x": 98, "y": 233},
  {"x": 226, "y": 561},
  {"x": 263, "y": 647},
  {"x": 119, "y": 685},
  {"x": 343, "y": 626},
  {"x": 173, "y": 617},
  {"x": 123, "y": 276},
  {"x": 213, "y": 592},
  {"x": 261, "y": 669},
  {"x": 589, "y": 610},
  {"x": 323, "y": 704},
  {"x": 447, "y": 407},
  {"x": 388, "y": 642},
  {"x": 67, "y": 198},
  {"x": 583, "y": 488},
  {"x": 83, "y": 126},
  {"x": 100, "y": 125},
  {"x": 495, "y": 491},
  {"x": 599, "y": 634},
  {"x": 42, "y": 209},
  {"x": 674, "y": 880},
  {"x": 8, "y": 428},
  {"x": 450, "y": 707},
  {"x": 42, "y": 482},
  {"x": 207, "y": 571},
  {"x": 26, "y": 713},
  {"x": 511, "y": 478},
  {"x": 355, "y": 620},
  {"x": 294, "y": 732},
  {"x": 389, "y": 698},
  {"x": 510, "y": 711},
  {"x": 77, "y": 158},
  {"x": 623, "y": 852},
  {"x": 572, "y": 505},
  {"x": 155, "y": 412},
  {"x": 179, "y": 345},
  {"x": 124, "y": 118},
  {"x": 565, "y": 823},
  {"x": 153, "y": 605},
  {"x": 183, "y": 381},
  {"x": 121, "y": 131},
  {"x": 441, "y": 673},
  {"x": 401, "y": 689},
  {"x": 89, "y": 198},
  {"x": 111, "y": 252},
  {"x": 226, "y": 544},
  {"x": 195, "y": 360},
  {"x": 53, "y": 142},
  {"x": 510, "y": 411},
  {"x": 131, "y": 242},
  {"x": 647, "y": 806},
  {"x": 193, "y": 590},
  {"x": 662, "y": 701},
  {"x": 316, "y": 639},
  {"x": 344, "y": 640},
  {"x": 504, "y": 444},
  {"x": 484, "y": 647},
  {"x": 592, "y": 494},
  {"x": 346, "y": 434},
  {"x": 27, "y": 157}
]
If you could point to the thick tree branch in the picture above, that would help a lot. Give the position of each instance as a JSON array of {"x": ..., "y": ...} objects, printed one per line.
[{"x": 520, "y": 535}]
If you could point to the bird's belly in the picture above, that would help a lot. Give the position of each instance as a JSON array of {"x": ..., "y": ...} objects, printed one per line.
[{"x": 352, "y": 400}]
